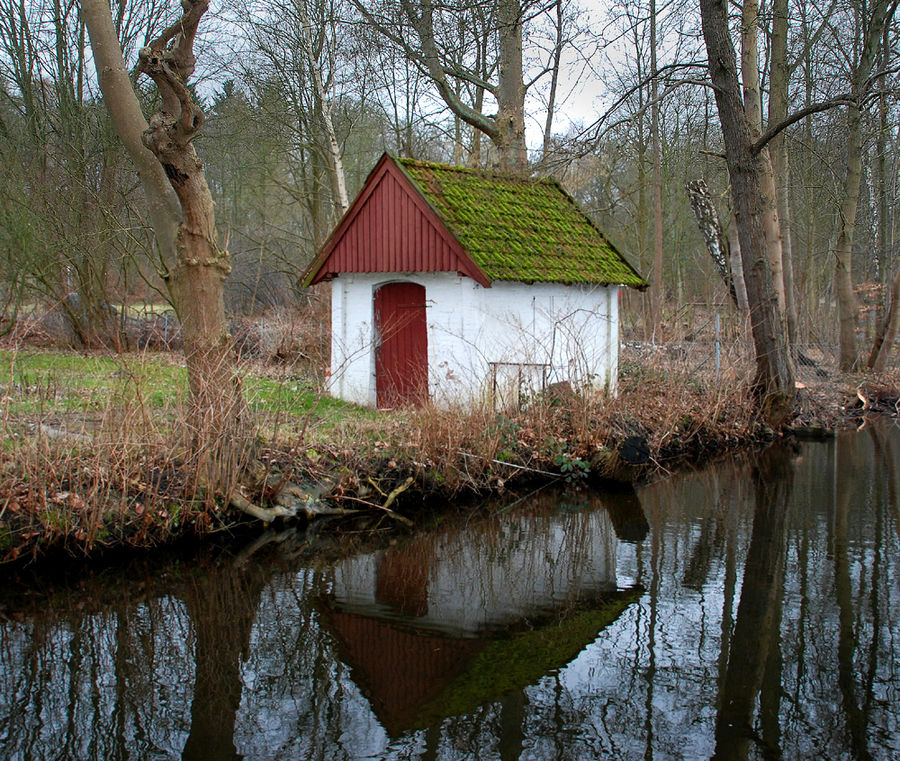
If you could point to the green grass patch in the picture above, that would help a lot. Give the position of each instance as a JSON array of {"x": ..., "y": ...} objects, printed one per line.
[
  {"x": 42, "y": 382},
  {"x": 46, "y": 383}
]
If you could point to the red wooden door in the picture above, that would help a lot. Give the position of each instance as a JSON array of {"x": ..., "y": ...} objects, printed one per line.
[{"x": 401, "y": 348}]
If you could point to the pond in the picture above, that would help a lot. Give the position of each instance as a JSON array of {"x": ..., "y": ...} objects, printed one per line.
[{"x": 745, "y": 611}]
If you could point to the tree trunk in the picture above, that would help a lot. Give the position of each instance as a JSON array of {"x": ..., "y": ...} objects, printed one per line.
[
  {"x": 843, "y": 250},
  {"x": 716, "y": 242},
  {"x": 195, "y": 266},
  {"x": 754, "y": 211},
  {"x": 323, "y": 106},
  {"x": 737, "y": 269},
  {"x": 510, "y": 136},
  {"x": 779, "y": 76},
  {"x": 129, "y": 122},
  {"x": 657, "y": 293},
  {"x": 554, "y": 83},
  {"x": 753, "y": 111},
  {"x": 887, "y": 332},
  {"x": 506, "y": 130}
]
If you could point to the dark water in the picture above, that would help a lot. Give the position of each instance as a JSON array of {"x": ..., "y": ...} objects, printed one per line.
[{"x": 748, "y": 611}]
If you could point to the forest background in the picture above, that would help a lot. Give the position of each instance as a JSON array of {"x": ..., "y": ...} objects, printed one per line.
[{"x": 302, "y": 96}]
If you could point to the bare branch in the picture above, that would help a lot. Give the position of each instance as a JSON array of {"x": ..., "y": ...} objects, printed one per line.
[{"x": 846, "y": 99}]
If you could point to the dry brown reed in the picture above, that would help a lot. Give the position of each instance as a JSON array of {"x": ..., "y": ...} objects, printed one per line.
[
  {"x": 118, "y": 476},
  {"x": 682, "y": 413}
]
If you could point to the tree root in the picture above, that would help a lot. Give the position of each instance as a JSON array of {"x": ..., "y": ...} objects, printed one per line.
[{"x": 291, "y": 502}]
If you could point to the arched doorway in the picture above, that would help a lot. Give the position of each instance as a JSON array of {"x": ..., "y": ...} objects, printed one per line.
[{"x": 401, "y": 345}]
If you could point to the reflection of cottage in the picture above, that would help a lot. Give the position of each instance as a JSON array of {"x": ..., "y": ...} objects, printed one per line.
[
  {"x": 450, "y": 621},
  {"x": 449, "y": 283}
]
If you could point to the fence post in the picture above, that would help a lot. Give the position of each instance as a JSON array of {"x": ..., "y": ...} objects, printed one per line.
[{"x": 718, "y": 348}]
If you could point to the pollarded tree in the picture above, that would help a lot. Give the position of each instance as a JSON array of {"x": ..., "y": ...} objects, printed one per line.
[{"x": 192, "y": 264}]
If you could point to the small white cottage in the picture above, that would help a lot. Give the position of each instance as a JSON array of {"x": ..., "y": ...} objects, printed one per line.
[{"x": 457, "y": 286}]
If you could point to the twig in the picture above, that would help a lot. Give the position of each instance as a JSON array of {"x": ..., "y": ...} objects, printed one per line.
[
  {"x": 402, "y": 518},
  {"x": 510, "y": 464},
  {"x": 530, "y": 494}
]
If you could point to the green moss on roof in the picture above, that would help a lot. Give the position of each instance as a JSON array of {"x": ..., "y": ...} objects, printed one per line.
[{"x": 520, "y": 229}]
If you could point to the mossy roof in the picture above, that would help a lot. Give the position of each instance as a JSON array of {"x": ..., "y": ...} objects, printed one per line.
[{"x": 521, "y": 229}]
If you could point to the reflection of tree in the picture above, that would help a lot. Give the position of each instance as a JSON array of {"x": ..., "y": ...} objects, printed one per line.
[
  {"x": 222, "y": 607},
  {"x": 512, "y": 718},
  {"x": 756, "y": 629},
  {"x": 847, "y": 483}
]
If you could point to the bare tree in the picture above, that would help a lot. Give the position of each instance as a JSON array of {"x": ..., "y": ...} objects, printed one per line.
[
  {"x": 294, "y": 45},
  {"x": 421, "y": 28},
  {"x": 193, "y": 265},
  {"x": 872, "y": 20},
  {"x": 754, "y": 206}
]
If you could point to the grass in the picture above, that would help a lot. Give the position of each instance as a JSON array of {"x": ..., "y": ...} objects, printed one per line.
[
  {"x": 48, "y": 382},
  {"x": 92, "y": 450},
  {"x": 40, "y": 383}
]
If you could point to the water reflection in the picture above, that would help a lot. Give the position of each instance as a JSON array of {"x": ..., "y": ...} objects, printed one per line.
[
  {"x": 747, "y": 611},
  {"x": 461, "y": 617}
]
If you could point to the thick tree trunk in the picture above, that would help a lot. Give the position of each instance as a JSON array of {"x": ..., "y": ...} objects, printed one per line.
[
  {"x": 754, "y": 209},
  {"x": 753, "y": 112},
  {"x": 510, "y": 136}
]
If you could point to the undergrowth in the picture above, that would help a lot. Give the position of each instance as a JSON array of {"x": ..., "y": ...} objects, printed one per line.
[{"x": 93, "y": 454}]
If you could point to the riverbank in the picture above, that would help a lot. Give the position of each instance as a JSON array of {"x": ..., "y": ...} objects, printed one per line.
[{"x": 93, "y": 460}]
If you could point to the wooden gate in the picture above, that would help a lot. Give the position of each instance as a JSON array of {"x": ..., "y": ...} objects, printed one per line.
[{"x": 401, "y": 345}]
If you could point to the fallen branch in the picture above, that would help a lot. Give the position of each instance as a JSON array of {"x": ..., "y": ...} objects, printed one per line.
[
  {"x": 510, "y": 464},
  {"x": 396, "y": 493},
  {"x": 389, "y": 500}
]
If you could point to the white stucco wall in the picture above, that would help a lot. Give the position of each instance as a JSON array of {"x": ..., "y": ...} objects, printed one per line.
[
  {"x": 524, "y": 566},
  {"x": 547, "y": 332}
]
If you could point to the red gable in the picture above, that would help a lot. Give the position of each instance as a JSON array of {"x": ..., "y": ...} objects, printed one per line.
[{"x": 390, "y": 227}]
